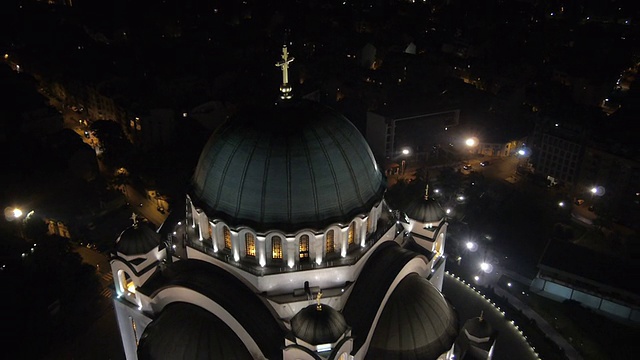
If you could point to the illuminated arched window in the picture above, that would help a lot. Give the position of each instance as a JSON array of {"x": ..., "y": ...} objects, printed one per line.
[
  {"x": 227, "y": 238},
  {"x": 276, "y": 244},
  {"x": 126, "y": 285},
  {"x": 330, "y": 244},
  {"x": 351, "y": 234},
  {"x": 304, "y": 247},
  {"x": 250, "y": 244},
  {"x": 368, "y": 224}
]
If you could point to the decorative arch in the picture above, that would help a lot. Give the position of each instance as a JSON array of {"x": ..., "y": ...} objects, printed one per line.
[
  {"x": 181, "y": 294},
  {"x": 126, "y": 286}
]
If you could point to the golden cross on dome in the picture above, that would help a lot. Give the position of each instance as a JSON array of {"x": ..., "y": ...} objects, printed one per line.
[
  {"x": 134, "y": 217},
  {"x": 319, "y": 305},
  {"x": 285, "y": 88},
  {"x": 426, "y": 192}
]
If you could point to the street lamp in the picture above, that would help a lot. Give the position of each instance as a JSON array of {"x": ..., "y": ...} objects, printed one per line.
[
  {"x": 486, "y": 267},
  {"x": 17, "y": 213},
  {"x": 471, "y": 246},
  {"x": 471, "y": 142},
  {"x": 405, "y": 152}
]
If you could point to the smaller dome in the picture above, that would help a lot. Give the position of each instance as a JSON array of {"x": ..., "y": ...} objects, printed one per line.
[
  {"x": 318, "y": 324},
  {"x": 425, "y": 210},
  {"x": 478, "y": 329},
  {"x": 138, "y": 239},
  {"x": 187, "y": 331},
  {"x": 417, "y": 323}
]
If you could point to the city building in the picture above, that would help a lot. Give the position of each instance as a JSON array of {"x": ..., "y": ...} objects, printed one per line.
[
  {"x": 557, "y": 152},
  {"x": 388, "y": 132},
  {"x": 590, "y": 278}
]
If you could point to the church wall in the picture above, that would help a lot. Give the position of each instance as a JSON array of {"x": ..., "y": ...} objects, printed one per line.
[
  {"x": 207, "y": 229},
  {"x": 330, "y": 277},
  {"x": 296, "y": 353},
  {"x": 287, "y": 310},
  {"x": 138, "y": 280},
  {"x": 132, "y": 324}
]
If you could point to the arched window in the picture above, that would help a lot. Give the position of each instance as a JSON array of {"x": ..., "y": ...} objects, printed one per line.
[
  {"x": 250, "y": 244},
  {"x": 304, "y": 247},
  {"x": 351, "y": 234},
  {"x": 330, "y": 244},
  {"x": 227, "y": 238},
  {"x": 126, "y": 285},
  {"x": 276, "y": 244},
  {"x": 369, "y": 224}
]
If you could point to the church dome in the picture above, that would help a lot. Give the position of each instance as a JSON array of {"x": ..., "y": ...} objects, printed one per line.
[
  {"x": 425, "y": 210},
  {"x": 416, "y": 323},
  {"x": 293, "y": 165},
  {"x": 478, "y": 329},
  {"x": 186, "y": 331},
  {"x": 318, "y": 325},
  {"x": 138, "y": 239}
]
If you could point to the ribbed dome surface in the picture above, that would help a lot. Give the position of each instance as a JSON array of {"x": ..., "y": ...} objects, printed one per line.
[
  {"x": 186, "y": 331},
  {"x": 318, "y": 326},
  {"x": 293, "y": 165},
  {"x": 416, "y": 323},
  {"x": 138, "y": 239},
  {"x": 425, "y": 210}
]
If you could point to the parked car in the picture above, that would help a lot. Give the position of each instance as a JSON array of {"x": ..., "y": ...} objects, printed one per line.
[
  {"x": 485, "y": 163},
  {"x": 467, "y": 167}
]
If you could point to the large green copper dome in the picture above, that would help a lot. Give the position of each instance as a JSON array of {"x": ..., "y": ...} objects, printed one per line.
[{"x": 294, "y": 165}]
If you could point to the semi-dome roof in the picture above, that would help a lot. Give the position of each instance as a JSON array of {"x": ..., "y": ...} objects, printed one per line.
[
  {"x": 416, "y": 323},
  {"x": 318, "y": 325},
  {"x": 425, "y": 209},
  {"x": 186, "y": 331},
  {"x": 138, "y": 239},
  {"x": 290, "y": 166}
]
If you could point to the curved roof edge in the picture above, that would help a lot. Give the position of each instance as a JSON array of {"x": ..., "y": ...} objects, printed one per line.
[{"x": 247, "y": 307}]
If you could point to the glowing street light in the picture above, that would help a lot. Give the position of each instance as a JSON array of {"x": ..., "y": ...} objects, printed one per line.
[
  {"x": 405, "y": 151},
  {"x": 471, "y": 246},
  {"x": 471, "y": 142},
  {"x": 486, "y": 267},
  {"x": 17, "y": 213}
]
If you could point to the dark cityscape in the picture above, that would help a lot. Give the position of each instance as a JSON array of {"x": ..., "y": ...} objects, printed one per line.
[{"x": 276, "y": 179}]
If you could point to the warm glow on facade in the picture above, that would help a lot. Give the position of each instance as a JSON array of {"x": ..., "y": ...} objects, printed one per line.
[
  {"x": 250, "y": 243},
  {"x": 277, "y": 247}
]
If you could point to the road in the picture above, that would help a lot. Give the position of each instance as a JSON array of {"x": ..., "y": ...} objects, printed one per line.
[
  {"x": 101, "y": 339},
  {"x": 149, "y": 209}
]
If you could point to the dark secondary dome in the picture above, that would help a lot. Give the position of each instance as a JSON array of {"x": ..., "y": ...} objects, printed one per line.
[
  {"x": 186, "y": 331},
  {"x": 416, "y": 323},
  {"x": 425, "y": 210},
  {"x": 138, "y": 239},
  {"x": 293, "y": 165},
  {"x": 318, "y": 325}
]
